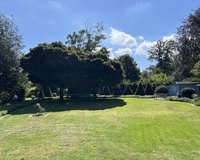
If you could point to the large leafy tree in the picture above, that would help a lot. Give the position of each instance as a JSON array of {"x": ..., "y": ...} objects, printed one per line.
[
  {"x": 196, "y": 71},
  {"x": 96, "y": 73},
  {"x": 163, "y": 52},
  {"x": 56, "y": 65},
  {"x": 11, "y": 76},
  {"x": 51, "y": 65},
  {"x": 88, "y": 40},
  {"x": 96, "y": 68},
  {"x": 129, "y": 66},
  {"x": 189, "y": 42}
]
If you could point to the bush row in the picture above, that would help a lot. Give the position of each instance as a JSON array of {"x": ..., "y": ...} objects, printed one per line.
[
  {"x": 195, "y": 101},
  {"x": 133, "y": 89}
]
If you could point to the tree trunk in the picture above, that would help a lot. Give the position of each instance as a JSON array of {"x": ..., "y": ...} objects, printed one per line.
[{"x": 61, "y": 94}]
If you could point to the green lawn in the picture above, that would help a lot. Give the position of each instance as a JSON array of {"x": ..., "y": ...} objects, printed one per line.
[{"x": 113, "y": 129}]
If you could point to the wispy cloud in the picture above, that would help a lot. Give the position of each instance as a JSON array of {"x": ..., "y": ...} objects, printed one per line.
[
  {"x": 141, "y": 6},
  {"x": 56, "y": 5}
]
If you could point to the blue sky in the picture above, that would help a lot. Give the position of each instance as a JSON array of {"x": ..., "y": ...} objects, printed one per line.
[{"x": 132, "y": 26}]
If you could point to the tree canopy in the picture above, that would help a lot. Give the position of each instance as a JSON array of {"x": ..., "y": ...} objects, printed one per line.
[
  {"x": 58, "y": 65},
  {"x": 163, "y": 52},
  {"x": 129, "y": 66},
  {"x": 11, "y": 75},
  {"x": 189, "y": 42}
]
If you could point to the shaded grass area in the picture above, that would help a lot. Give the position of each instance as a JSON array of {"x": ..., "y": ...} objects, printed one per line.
[
  {"x": 125, "y": 128},
  {"x": 54, "y": 105},
  {"x": 7, "y": 108}
]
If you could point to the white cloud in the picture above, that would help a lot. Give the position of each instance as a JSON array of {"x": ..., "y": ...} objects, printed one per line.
[
  {"x": 121, "y": 38},
  {"x": 144, "y": 47},
  {"x": 132, "y": 45},
  {"x": 123, "y": 51},
  {"x": 141, "y": 38},
  {"x": 120, "y": 52},
  {"x": 170, "y": 37}
]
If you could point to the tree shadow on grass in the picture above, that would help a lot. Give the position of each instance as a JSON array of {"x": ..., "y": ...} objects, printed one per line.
[{"x": 56, "y": 106}]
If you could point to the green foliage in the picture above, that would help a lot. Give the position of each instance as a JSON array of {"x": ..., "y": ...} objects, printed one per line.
[
  {"x": 56, "y": 65},
  {"x": 134, "y": 87},
  {"x": 88, "y": 39},
  {"x": 6, "y": 97},
  {"x": 117, "y": 90},
  {"x": 163, "y": 52},
  {"x": 106, "y": 91},
  {"x": 188, "y": 42},
  {"x": 20, "y": 93},
  {"x": 161, "y": 89},
  {"x": 160, "y": 79},
  {"x": 32, "y": 89},
  {"x": 129, "y": 66},
  {"x": 148, "y": 89},
  {"x": 187, "y": 92},
  {"x": 140, "y": 90},
  {"x": 11, "y": 76},
  {"x": 196, "y": 101},
  {"x": 145, "y": 76},
  {"x": 195, "y": 96},
  {"x": 196, "y": 71},
  {"x": 179, "y": 99}
]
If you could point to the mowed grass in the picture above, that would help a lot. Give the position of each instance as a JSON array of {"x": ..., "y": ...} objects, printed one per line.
[{"x": 113, "y": 129}]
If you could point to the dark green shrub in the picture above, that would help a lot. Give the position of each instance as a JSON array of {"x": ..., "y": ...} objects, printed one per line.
[
  {"x": 195, "y": 96},
  {"x": 133, "y": 87},
  {"x": 106, "y": 91},
  {"x": 161, "y": 89},
  {"x": 20, "y": 93},
  {"x": 176, "y": 98},
  {"x": 127, "y": 90},
  {"x": 47, "y": 92},
  {"x": 41, "y": 94},
  {"x": 187, "y": 92},
  {"x": 117, "y": 90},
  {"x": 6, "y": 97},
  {"x": 140, "y": 90},
  {"x": 149, "y": 89},
  {"x": 196, "y": 101}
]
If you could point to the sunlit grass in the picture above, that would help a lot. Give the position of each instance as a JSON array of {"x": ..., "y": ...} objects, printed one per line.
[{"x": 127, "y": 128}]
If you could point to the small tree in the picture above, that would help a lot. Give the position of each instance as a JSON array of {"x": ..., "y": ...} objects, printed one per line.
[
  {"x": 140, "y": 90},
  {"x": 149, "y": 89}
]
